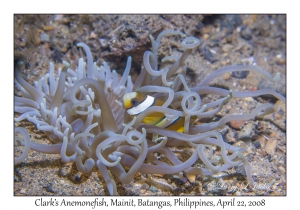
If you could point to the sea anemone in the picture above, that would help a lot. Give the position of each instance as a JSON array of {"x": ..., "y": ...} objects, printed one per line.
[{"x": 82, "y": 113}]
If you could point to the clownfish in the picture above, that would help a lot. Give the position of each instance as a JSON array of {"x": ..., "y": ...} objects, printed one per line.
[{"x": 137, "y": 102}]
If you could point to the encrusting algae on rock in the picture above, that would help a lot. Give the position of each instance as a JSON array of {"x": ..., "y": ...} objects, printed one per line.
[{"x": 85, "y": 113}]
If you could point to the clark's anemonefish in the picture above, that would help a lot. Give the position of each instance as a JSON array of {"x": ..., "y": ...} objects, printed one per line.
[{"x": 137, "y": 102}]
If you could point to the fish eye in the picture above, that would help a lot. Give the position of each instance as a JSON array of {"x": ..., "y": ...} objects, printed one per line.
[{"x": 134, "y": 102}]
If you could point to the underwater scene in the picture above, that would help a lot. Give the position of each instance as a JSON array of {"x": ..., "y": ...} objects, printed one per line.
[{"x": 146, "y": 105}]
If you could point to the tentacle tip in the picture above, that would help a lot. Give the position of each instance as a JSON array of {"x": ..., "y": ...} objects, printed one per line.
[
  {"x": 119, "y": 103},
  {"x": 181, "y": 33},
  {"x": 79, "y": 44},
  {"x": 190, "y": 42},
  {"x": 277, "y": 77},
  {"x": 163, "y": 138},
  {"x": 66, "y": 66},
  {"x": 169, "y": 84},
  {"x": 144, "y": 131},
  {"x": 230, "y": 94},
  {"x": 202, "y": 110}
]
